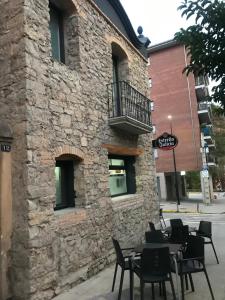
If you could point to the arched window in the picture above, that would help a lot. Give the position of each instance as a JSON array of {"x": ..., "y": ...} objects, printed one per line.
[
  {"x": 120, "y": 64},
  {"x": 68, "y": 170},
  {"x": 63, "y": 27}
]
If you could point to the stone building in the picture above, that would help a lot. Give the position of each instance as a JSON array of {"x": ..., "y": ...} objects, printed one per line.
[{"x": 73, "y": 87}]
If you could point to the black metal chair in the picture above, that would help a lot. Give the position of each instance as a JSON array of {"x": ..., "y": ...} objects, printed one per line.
[
  {"x": 176, "y": 223},
  {"x": 179, "y": 234},
  {"x": 124, "y": 262},
  {"x": 193, "y": 261},
  {"x": 161, "y": 218},
  {"x": 154, "y": 267},
  {"x": 155, "y": 237},
  {"x": 205, "y": 231},
  {"x": 152, "y": 226}
]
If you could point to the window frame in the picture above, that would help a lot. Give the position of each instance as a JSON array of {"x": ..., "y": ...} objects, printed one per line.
[
  {"x": 60, "y": 24},
  {"x": 66, "y": 184},
  {"x": 129, "y": 167}
]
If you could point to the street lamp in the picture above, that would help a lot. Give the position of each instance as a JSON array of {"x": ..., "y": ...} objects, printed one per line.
[{"x": 175, "y": 167}]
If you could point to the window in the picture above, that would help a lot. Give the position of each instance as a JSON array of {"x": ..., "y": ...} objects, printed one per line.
[
  {"x": 57, "y": 33},
  {"x": 64, "y": 180},
  {"x": 122, "y": 175}
]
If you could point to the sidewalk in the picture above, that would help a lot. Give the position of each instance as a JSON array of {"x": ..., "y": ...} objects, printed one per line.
[
  {"x": 196, "y": 206},
  {"x": 99, "y": 286}
]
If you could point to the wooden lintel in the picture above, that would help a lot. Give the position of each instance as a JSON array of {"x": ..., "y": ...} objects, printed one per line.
[{"x": 120, "y": 150}]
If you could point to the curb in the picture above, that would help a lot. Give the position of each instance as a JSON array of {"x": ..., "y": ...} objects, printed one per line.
[{"x": 192, "y": 212}]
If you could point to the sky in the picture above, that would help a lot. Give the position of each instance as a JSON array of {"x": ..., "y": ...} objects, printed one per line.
[{"x": 159, "y": 18}]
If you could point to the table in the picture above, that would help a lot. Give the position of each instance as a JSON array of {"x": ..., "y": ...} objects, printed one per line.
[{"x": 173, "y": 249}]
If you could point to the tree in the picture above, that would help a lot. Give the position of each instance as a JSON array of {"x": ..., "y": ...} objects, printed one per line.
[
  {"x": 218, "y": 173},
  {"x": 205, "y": 42}
]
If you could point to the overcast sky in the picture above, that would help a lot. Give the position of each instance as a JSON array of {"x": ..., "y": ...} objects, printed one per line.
[{"x": 159, "y": 18}]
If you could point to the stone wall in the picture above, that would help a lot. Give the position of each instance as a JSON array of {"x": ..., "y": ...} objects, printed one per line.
[{"x": 66, "y": 112}]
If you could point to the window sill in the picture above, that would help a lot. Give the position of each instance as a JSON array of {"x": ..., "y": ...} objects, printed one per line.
[
  {"x": 70, "y": 215},
  {"x": 127, "y": 201}
]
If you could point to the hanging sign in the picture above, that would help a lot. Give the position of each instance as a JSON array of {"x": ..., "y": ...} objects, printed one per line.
[{"x": 165, "y": 142}]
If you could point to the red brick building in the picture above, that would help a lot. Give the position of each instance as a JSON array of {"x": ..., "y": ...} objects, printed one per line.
[{"x": 183, "y": 98}]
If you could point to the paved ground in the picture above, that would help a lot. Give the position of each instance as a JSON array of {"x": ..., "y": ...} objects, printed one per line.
[{"x": 98, "y": 287}]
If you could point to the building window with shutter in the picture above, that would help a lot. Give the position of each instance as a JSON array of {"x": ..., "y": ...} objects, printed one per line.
[
  {"x": 57, "y": 33},
  {"x": 121, "y": 175}
]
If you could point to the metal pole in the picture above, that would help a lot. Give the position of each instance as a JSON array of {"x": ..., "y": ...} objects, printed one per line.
[{"x": 175, "y": 172}]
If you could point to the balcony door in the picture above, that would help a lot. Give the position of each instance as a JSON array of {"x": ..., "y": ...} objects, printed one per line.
[{"x": 116, "y": 86}]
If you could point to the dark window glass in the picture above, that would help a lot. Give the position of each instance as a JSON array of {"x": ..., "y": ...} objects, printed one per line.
[
  {"x": 64, "y": 180},
  {"x": 121, "y": 175},
  {"x": 57, "y": 36}
]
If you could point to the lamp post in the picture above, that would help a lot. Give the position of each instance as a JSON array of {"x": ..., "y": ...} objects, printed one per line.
[{"x": 175, "y": 167}]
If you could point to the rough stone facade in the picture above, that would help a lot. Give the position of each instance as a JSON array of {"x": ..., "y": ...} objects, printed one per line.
[{"x": 57, "y": 109}]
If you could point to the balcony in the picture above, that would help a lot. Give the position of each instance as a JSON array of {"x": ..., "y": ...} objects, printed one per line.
[
  {"x": 204, "y": 113},
  {"x": 211, "y": 160},
  {"x": 208, "y": 136},
  {"x": 201, "y": 87},
  {"x": 129, "y": 110}
]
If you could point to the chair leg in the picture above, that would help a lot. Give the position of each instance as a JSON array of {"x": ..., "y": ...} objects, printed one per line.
[
  {"x": 192, "y": 283},
  {"x": 160, "y": 289},
  {"x": 114, "y": 277},
  {"x": 182, "y": 285},
  {"x": 121, "y": 284},
  {"x": 164, "y": 222},
  {"x": 164, "y": 290},
  {"x": 153, "y": 291},
  {"x": 214, "y": 251},
  {"x": 210, "y": 288},
  {"x": 172, "y": 287},
  {"x": 186, "y": 281},
  {"x": 142, "y": 289},
  {"x": 131, "y": 283}
]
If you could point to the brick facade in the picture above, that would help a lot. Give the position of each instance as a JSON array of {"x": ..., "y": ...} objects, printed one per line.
[{"x": 174, "y": 94}]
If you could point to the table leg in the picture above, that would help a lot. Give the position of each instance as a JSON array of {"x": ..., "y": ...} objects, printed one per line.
[
  {"x": 177, "y": 277},
  {"x": 131, "y": 279}
]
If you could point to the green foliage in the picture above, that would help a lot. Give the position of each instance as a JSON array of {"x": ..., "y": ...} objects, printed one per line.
[
  {"x": 205, "y": 42},
  {"x": 193, "y": 181}
]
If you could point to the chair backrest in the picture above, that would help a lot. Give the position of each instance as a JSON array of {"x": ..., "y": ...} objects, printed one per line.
[
  {"x": 155, "y": 261},
  {"x": 179, "y": 234},
  {"x": 152, "y": 226},
  {"x": 155, "y": 236},
  {"x": 176, "y": 223},
  {"x": 195, "y": 247},
  {"x": 119, "y": 254},
  {"x": 205, "y": 228}
]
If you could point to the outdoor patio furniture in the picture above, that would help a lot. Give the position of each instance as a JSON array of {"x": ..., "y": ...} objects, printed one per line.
[
  {"x": 176, "y": 223},
  {"x": 155, "y": 237},
  {"x": 161, "y": 218},
  {"x": 154, "y": 267},
  {"x": 152, "y": 226},
  {"x": 193, "y": 261},
  {"x": 205, "y": 231},
  {"x": 124, "y": 262},
  {"x": 179, "y": 234}
]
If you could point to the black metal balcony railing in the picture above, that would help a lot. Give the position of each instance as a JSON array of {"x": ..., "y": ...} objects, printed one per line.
[{"x": 124, "y": 100}]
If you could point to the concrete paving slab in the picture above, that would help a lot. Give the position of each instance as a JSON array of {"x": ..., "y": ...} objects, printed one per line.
[{"x": 99, "y": 286}]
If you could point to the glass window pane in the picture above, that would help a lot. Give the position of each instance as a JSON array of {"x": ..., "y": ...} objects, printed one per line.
[
  {"x": 58, "y": 176},
  {"x": 116, "y": 162},
  {"x": 117, "y": 182},
  {"x": 55, "y": 34}
]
